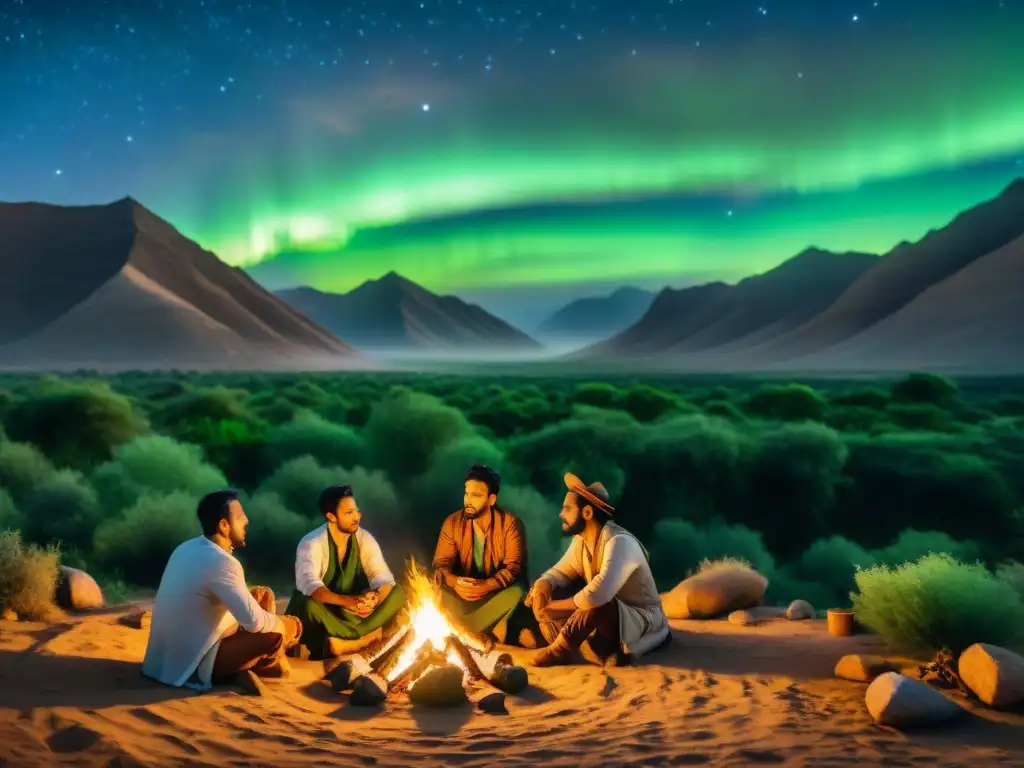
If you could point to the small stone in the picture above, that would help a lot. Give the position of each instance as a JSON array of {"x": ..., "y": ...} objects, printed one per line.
[
  {"x": 138, "y": 620},
  {"x": 799, "y": 610},
  {"x": 9, "y": 615},
  {"x": 250, "y": 683},
  {"x": 439, "y": 687},
  {"x": 344, "y": 674},
  {"x": 493, "y": 704},
  {"x": 995, "y": 675},
  {"x": 862, "y": 668},
  {"x": 902, "y": 702},
  {"x": 751, "y": 617},
  {"x": 369, "y": 691}
]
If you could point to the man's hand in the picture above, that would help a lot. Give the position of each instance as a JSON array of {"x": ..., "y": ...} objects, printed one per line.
[
  {"x": 290, "y": 628},
  {"x": 473, "y": 589},
  {"x": 355, "y": 604},
  {"x": 539, "y": 598}
]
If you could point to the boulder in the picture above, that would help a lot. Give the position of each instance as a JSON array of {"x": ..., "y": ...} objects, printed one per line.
[
  {"x": 863, "y": 668},
  {"x": 715, "y": 591},
  {"x": 439, "y": 687},
  {"x": 995, "y": 675},
  {"x": 799, "y": 610},
  {"x": 138, "y": 620},
  {"x": 78, "y": 591},
  {"x": 9, "y": 615},
  {"x": 754, "y": 616},
  {"x": 902, "y": 702}
]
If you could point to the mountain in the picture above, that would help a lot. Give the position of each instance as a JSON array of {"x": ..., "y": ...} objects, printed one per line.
[
  {"x": 395, "y": 313},
  {"x": 902, "y": 275},
  {"x": 717, "y": 316},
  {"x": 115, "y": 286},
  {"x": 597, "y": 317},
  {"x": 972, "y": 321}
]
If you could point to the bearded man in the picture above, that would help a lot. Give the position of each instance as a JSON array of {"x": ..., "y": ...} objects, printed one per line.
[
  {"x": 617, "y": 613},
  {"x": 480, "y": 564},
  {"x": 207, "y": 626},
  {"x": 345, "y": 594}
]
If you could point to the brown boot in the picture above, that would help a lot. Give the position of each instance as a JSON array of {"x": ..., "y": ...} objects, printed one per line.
[{"x": 556, "y": 654}]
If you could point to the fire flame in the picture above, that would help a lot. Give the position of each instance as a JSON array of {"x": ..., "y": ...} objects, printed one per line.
[{"x": 427, "y": 623}]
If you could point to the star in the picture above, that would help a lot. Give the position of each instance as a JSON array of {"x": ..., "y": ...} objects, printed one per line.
[
  {"x": 58, "y": 172},
  {"x": 129, "y": 139},
  {"x": 426, "y": 107},
  {"x": 855, "y": 17}
]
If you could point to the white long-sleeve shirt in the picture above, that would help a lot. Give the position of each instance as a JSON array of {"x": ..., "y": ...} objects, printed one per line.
[
  {"x": 623, "y": 574},
  {"x": 202, "y": 595},
  {"x": 313, "y": 556}
]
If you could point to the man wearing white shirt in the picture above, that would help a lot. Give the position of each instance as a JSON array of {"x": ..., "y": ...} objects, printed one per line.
[
  {"x": 344, "y": 593},
  {"x": 617, "y": 612},
  {"x": 207, "y": 627}
]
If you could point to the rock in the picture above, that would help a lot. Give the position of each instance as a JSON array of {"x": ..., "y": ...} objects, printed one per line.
[
  {"x": 250, "y": 683},
  {"x": 9, "y": 615},
  {"x": 439, "y": 687},
  {"x": 863, "y": 668},
  {"x": 369, "y": 691},
  {"x": 995, "y": 675},
  {"x": 138, "y": 620},
  {"x": 902, "y": 702},
  {"x": 754, "y": 616},
  {"x": 799, "y": 610},
  {"x": 714, "y": 592},
  {"x": 344, "y": 674},
  {"x": 510, "y": 678},
  {"x": 493, "y": 704},
  {"x": 78, "y": 591}
]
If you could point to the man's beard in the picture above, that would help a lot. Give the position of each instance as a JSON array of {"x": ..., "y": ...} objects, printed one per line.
[
  {"x": 472, "y": 513},
  {"x": 577, "y": 527}
]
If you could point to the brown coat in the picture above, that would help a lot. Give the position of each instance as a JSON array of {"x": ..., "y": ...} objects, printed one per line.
[{"x": 504, "y": 550}]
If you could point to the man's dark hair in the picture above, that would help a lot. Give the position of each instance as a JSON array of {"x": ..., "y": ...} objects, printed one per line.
[
  {"x": 213, "y": 508},
  {"x": 485, "y": 475},
  {"x": 600, "y": 516},
  {"x": 331, "y": 496}
]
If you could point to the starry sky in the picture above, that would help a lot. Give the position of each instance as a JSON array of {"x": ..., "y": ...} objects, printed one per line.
[{"x": 510, "y": 148}]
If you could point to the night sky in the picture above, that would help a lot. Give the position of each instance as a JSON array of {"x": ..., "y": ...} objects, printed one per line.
[{"x": 481, "y": 146}]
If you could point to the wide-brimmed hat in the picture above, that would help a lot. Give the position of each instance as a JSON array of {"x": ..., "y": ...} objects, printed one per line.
[{"x": 595, "y": 493}]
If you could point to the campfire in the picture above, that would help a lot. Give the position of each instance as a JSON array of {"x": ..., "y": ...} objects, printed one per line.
[{"x": 427, "y": 658}]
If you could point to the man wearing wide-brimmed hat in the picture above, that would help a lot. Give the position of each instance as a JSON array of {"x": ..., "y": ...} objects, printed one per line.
[{"x": 617, "y": 611}]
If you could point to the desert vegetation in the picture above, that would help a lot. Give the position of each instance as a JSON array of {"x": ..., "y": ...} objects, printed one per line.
[{"x": 827, "y": 488}]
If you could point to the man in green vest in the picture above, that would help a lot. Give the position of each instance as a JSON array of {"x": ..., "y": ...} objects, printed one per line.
[
  {"x": 344, "y": 593},
  {"x": 480, "y": 564}
]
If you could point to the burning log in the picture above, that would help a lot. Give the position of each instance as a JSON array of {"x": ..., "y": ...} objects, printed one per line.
[
  {"x": 345, "y": 674},
  {"x": 500, "y": 671},
  {"x": 369, "y": 691}
]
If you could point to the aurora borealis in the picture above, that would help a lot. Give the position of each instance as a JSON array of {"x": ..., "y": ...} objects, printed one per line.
[{"x": 489, "y": 146}]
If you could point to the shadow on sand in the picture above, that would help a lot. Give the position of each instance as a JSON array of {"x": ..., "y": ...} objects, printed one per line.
[{"x": 29, "y": 680}]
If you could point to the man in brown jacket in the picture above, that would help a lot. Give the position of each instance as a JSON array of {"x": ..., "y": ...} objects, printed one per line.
[{"x": 480, "y": 563}]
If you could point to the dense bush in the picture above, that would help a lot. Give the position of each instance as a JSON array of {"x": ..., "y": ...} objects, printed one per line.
[
  {"x": 939, "y": 603},
  {"x": 807, "y": 480},
  {"x": 28, "y": 577}
]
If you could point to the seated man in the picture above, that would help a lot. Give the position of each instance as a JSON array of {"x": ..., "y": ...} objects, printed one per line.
[
  {"x": 618, "y": 611},
  {"x": 480, "y": 564},
  {"x": 344, "y": 592},
  {"x": 207, "y": 627}
]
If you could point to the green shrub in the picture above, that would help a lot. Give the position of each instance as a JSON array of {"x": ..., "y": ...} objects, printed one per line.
[
  {"x": 678, "y": 548},
  {"x": 406, "y": 429},
  {"x": 154, "y": 465},
  {"x": 1012, "y": 574},
  {"x": 22, "y": 467},
  {"x": 788, "y": 402},
  {"x": 925, "y": 388},
  {"x": 138, "y": 542},
  {"x": 938, "y": 603},
  {"x": 63, "y": 509},
  {"x": 273, "y": 534},
  {"x": 11, "y": 518},
  {"x": 332, "y": 445},
  {"x": 28, "y": 577},
  {"x": 74, "y": 425},
  {"x": 298, "y": 483}
]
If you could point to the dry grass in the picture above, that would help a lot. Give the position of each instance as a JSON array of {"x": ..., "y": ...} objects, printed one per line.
[{"x": 28, "y": 577}]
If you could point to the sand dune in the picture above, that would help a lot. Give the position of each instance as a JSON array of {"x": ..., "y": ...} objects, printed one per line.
[{"x": 71, "y": 694}]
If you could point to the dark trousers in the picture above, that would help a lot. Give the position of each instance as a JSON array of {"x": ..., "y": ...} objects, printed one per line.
[
  {"x": 599, "y": 625},
  {"x": 260, "y": 651}
]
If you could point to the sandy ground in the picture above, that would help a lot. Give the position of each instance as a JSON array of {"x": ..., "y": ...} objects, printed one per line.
[{"x": 71, "y": 694}]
